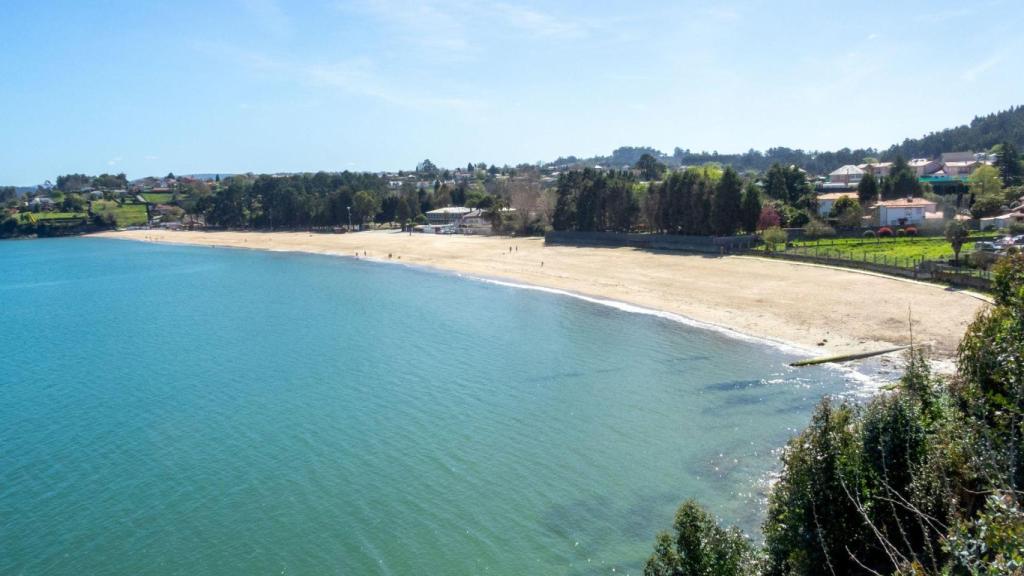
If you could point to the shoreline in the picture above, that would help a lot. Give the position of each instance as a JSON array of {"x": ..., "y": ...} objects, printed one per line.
[{"x": 816, "y": 311}]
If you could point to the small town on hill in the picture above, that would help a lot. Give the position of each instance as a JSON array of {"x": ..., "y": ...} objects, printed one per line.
[{"x": 901, "y": 215}]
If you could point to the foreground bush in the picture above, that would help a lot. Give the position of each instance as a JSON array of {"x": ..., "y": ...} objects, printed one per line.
[
  {"x": 818, "y": 229},
  {"x": 773, "y": 237},
  {"x": 700, "y": 546},
  {"x": 926, "y": 478}
]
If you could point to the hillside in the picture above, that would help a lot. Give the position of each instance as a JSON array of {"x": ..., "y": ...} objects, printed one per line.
[{"x": 981, "y": 134}]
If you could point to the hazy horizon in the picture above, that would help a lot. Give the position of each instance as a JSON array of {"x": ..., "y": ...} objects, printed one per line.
[{"x": 275, "y": 86}]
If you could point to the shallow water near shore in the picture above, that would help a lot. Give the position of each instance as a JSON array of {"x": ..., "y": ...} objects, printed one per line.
[{"x": 172, "y": 409}]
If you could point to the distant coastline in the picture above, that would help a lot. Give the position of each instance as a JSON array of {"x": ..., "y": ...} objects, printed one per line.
[{"x": 815, "y": 309}]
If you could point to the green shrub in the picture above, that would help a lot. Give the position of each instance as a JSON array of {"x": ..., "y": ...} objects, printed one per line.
[
  {"x": 818, "y": 229},
  {"x": 774, "y": 236},
  {"x": 700, "y": 546}
]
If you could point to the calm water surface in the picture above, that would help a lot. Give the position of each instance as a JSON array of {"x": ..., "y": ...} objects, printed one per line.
[{"x": 185, "y": 410}]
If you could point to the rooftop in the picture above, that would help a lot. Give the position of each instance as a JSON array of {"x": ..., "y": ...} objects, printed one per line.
[
  {"x": 849, "y": 169},
  {"x": 450, "y": 210},
  {"x": 907, "y": 203},
  {"x": 837, "y": 195}
]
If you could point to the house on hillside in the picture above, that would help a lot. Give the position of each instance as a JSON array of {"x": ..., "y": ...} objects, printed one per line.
[
  {"x": 41, "y": 204},
  {"x": 957, "y": 157},
  {"x": 828, "y": 200},
  {"x": 906, "y": 211},
  {"x": 924, "y": 166},
  {"x": 878, "y": 170},
  {"x": 960, "y": 168},
  {"x": 1003, "y": 221},
  {"x": 848, "y": 175}
]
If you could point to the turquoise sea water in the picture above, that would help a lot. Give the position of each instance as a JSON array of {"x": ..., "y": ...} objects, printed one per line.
[{"x": 187, "y": 410}]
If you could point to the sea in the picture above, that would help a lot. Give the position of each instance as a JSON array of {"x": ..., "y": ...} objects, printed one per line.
[{"x": 174, "y": 410}]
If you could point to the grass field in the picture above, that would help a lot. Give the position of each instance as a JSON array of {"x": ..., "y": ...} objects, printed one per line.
[
  {"x": 158, "y": 197},
  {"x": 126, "y": 215},
  {"x": 901, "y": 252}
]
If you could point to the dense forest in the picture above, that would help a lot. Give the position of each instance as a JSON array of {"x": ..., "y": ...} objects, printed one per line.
[
  {"x": 696, "y": 201},
  {"x": 925, "y": 478},
  {"x": 337, "y": 199},
  {"x": 980, "y": 135}
]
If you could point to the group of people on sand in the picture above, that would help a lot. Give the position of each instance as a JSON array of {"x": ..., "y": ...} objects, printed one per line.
[
  {"x": 515, "y": 249},
  {"x": 390, "y": 255}
]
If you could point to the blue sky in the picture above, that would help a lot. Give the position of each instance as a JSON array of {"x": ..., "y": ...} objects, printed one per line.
[{"x": 271, "y": 85}]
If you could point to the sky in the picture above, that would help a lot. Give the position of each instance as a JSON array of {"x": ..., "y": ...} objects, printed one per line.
[{"x": 151, "y": 87}]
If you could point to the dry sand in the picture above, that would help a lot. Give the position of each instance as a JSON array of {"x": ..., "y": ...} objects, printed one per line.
[{"x": 822, "y": 309}]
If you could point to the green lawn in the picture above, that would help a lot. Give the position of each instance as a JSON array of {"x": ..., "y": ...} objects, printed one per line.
[
  {"x": 902, "y": 252},
  {"x": 126, "y": 215},
  {"x": 159, "y": 197}
]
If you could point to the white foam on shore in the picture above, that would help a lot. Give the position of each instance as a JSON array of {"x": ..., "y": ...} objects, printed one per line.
[
  {"x": 863, "y": 385},
  {"x": 634, "y": 309}
]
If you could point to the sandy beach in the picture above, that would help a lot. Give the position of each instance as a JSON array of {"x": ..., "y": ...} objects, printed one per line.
[{"x": 824, "y": 310}]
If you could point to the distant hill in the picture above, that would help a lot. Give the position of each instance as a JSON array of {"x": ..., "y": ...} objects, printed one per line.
[
  {"x": 982, "y": 134},
  {"x": 207, "y": 176}
]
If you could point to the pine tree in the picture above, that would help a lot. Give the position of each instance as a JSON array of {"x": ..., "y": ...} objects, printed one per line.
[
  {"x": 1011, "y": 172},
  {"x": 904, "y": 181},
  {"x": 867, "y": 189},
  {"x": 751, "y": 209},
  {"x": 726, "y": 204}
]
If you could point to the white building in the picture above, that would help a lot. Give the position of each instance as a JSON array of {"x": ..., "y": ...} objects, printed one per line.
[
  {"x": 479, "y": 222},
  {"x": 924, "y": 166},
  {"x": 827, "y": 201},
  {"x": 906, "y": 211},
  {"x": 447, "y": 215},
  {"x": 961, "y": 167},
  {"x": 849, "y": 175},
  {"x": 878, "y": 170}
]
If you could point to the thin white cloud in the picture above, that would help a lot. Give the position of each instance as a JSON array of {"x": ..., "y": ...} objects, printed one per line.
[
  {"x": 540, "y": 23},
  {"x": 972, "y": 73},
  {"x": 150, "y": 158},
  {"x": 430, "y": 25},
  {"x": 358, "y": 76},
  {"x": 114, "y": 161}
]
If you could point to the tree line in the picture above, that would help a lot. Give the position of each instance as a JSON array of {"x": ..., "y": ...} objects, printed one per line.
[
  {"x": 926, "y": 478},
  {"x": 697, "y": 201},
  {"x": 982, "y": 134}
]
